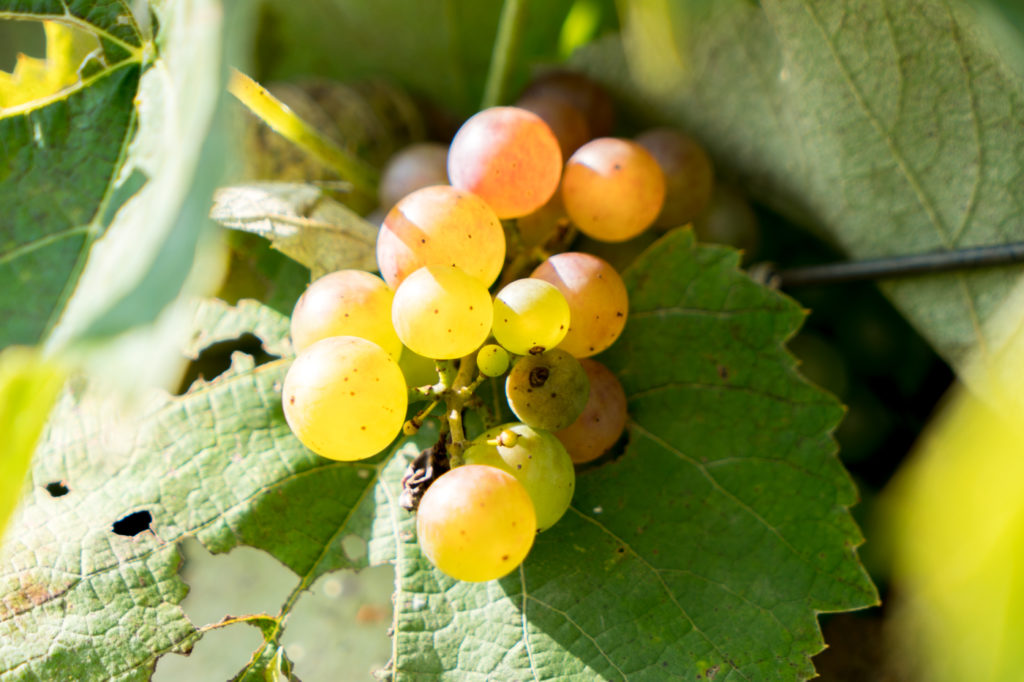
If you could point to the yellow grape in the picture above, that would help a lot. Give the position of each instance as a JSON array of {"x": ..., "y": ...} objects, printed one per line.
[
  {"x": 689, "y": 177},
  {"x": 440, "y": 312},
  {"x": 476, "y": 523},
  {"x": 530, "y": 316},
  {"x": 345, "y": 398},
  {"x": 440, "y": 225},
  {"x": 345, "y": 303}
]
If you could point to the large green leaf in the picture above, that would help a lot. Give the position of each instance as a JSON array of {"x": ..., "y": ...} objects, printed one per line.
[
  {"x": 710, "y": 546},
  {"x": 891, "y": 127},
  {"x": 707, "y": 549},
  {"x": 111, "y": 178}
]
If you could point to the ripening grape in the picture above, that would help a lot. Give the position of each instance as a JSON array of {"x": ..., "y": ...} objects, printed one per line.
[
  {"x": 345, "y": 398},
  {"x": 476, "y": 523},
  {"x": 598, "y": 302},
  {"x": 441, "y": 312},
  {"x": 345, "y": 303},
  {"x": 568, "y": 123},
  {"x": 530, "y": 316},
  {"x": 689, "y": 176},
  {"x": 613, "y": 189},
  {"x": 440, "y": 225},
  {"x": 587, "y": 96},
  {"x": 603, "y": 418},
  {"x": 508, "y": 157},
  {"x": 538, "y": 460},
  {"x": 548, "y": 390},
  {"x": 417, "y": 166},
  {"x": 729, "y": 219},
  {"x": 492, "y": 360}
]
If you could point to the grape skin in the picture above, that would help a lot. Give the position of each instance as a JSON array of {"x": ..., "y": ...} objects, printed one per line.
[
  {"x": 530, "y": 316},
  {"x": 613, "y": 189},
  {"x": 345, "y": 303},
  {"x": 568, "y": 123},
  {"x": 440, "y": 225},
  {"x": 689, "y": 177},
  {"x": 492, "y": 360},
  {"x": 417, "y": 166},
  {"x": 345, "y": 398},
  {"x": 547, "y": 391},
  {"x": 440, "y": 312},
  {"x": 508, "y": 157},
  {"x": 476, "y": 523},
  {"x": 538, "y": 460},
  {"x": 592, "y": 100},
  {"x": 603, "y": 419},
  {"x": 597, "y": 297}
]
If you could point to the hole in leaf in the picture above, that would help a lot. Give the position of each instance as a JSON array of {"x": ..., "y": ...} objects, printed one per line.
[
  {"x": 133, "y": 524},
  {"x": 57, "y": 489},
  {"x": 354, "y": 547},
  {"x": 215, "y": 359}
]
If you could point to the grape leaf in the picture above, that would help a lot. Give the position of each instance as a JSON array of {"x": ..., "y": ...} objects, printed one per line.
[
  {"x": 707, "y": 549},
  {"x": 893, "y": 128},
  {"x": 690, "y": 554},
  {"x": 302, "y": 222}
]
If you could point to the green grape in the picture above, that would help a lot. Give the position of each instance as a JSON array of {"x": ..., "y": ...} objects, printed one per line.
[
  {"x": 603, "y": 419},
  {"x": 441, "y": 312},
  {"x": 440, "y": 225},
  {"x": 548, "y": 390},
  {"x": 530, "y": 316},
  {"x": 598, "y": 301},
  {"x": 689, "y": 176},
  {"x": 476, "y": 523},
  {"x": 345, "y": 398},
  {"x": 492, "y": 360},
  {"x": 613, "y": 189},
  {"x": 537, "y": 459},
  {"x": 417, "y": 166},
  {"x": 508, "y": 157},
  {"x": 592, "y": 100},
  {"x": 345, "y": 303}
]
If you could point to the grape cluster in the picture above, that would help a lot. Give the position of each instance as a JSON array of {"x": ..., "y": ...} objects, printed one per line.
[{"x": 522, "y": 180}]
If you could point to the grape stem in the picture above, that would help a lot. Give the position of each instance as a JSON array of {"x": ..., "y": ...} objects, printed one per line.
[{"x": 506, "y": 42}]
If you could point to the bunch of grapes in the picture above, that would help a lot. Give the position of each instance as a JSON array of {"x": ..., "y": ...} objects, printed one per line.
[{"x": 477, "y": 288}]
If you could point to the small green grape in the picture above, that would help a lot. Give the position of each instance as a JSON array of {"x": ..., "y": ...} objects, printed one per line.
[
  {"x": 440, "y": 312},
  {"x": 530, "y": 316},
  {"x": 476, "y": 523},
  {"x": 492, "y": 360},
  {"x": 537, "y": 459},
  {"x": 345, "y": 398},
  {"x": 547, "y": 391}
]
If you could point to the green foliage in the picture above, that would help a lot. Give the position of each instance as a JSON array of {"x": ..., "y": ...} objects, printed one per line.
[{"x": 706, "y": 548}]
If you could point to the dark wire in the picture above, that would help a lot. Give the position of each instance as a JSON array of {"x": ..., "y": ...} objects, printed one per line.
[{"x": 902, "y": 266}]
